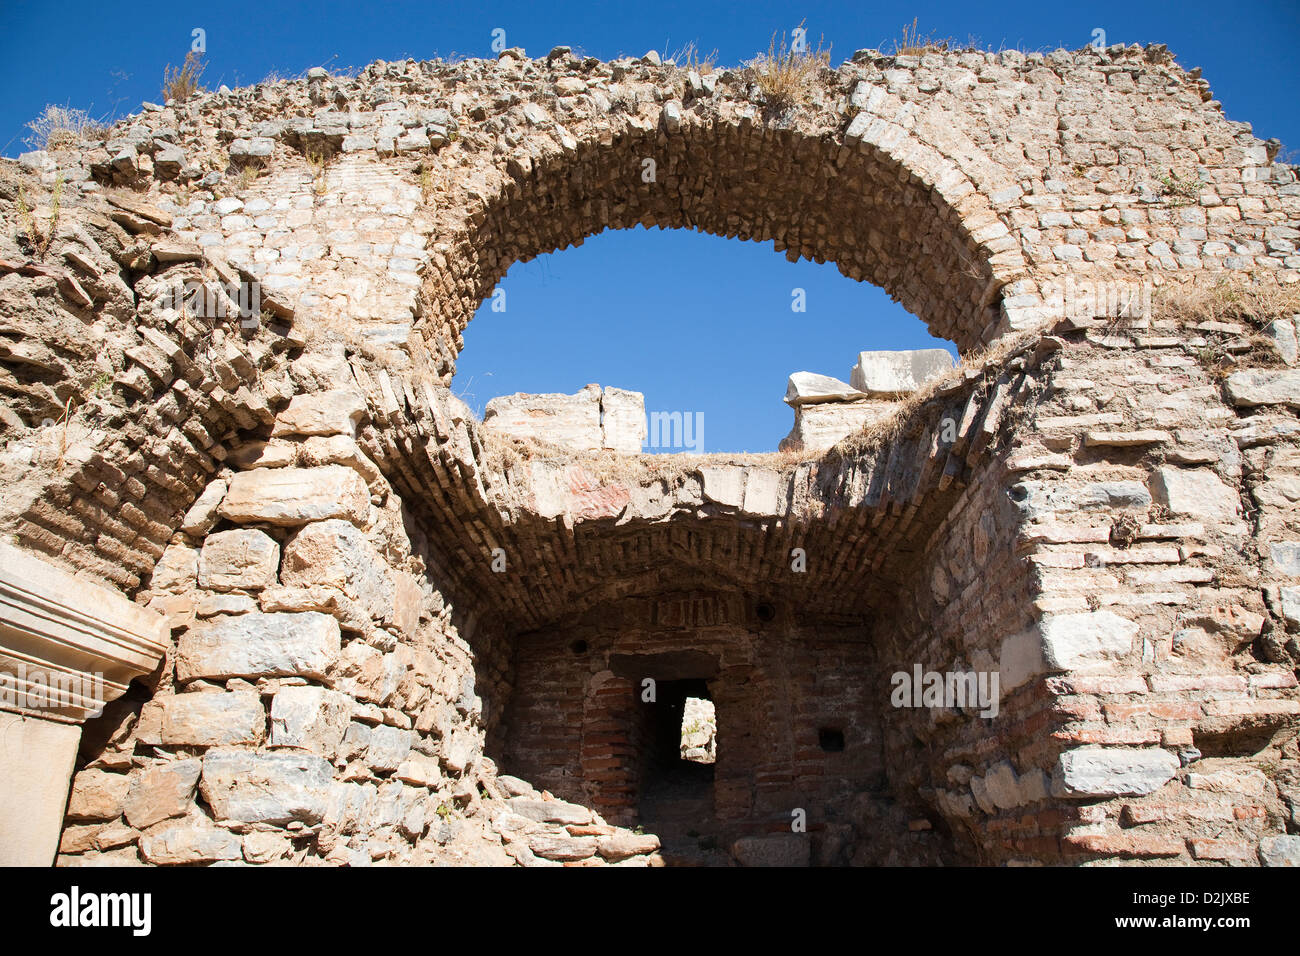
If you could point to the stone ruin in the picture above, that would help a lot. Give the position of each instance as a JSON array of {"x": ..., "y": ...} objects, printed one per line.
[{"x": 332, "y": 619}]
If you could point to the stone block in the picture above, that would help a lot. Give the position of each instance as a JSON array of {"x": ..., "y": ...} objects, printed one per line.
[
  {"x": 295, "y": 496},
  {"x": 1264, "y": 387},
  {"x": 1112, "y": 771},
  {"x": 778, "y": 849},
  {"x": 310, "y": 718},
  {"x": 898, "y": 373},
  {"x": 810, "y": 388},
  {"x": 336, "y": 412},
  {"x": 623, "y": 421},
  {"x": 212, "y": 718},
  {"x": 1079, "y": 641},
  {"x": 570, "y": 421},
  {"x": 1194, "y": 493},
  {"x": 260, "y": 645},
  {"x": 277, "y": 788},
  {"x": 244, "y": 559},
  {"x": 161, "y": 792},
  {"x": 190, "y": 842},
  {"x": 335, "y": 554},
  {"x": 1280, "y": 850}
]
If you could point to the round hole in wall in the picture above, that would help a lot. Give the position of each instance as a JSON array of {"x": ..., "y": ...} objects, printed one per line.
[
  {"x": 578, "y": 647},
  {"x": 765, "y": 612}
]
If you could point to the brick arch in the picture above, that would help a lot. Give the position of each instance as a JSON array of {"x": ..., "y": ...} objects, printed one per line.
[{"x": 875, "y": 198}]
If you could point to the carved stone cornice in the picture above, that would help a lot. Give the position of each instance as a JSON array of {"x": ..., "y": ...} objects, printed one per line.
[{"x": 60, "y": 631}]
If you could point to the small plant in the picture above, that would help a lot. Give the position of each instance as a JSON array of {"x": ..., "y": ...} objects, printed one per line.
[
  {"x": 59, "y": 127},
  {"x": 911, "y": 43},
  {"x": 318, "y": 161},
  {"x": 783, "y": 73},
  {"x": 248, "y": 175},
  {"x": 689, "y": 58},
  {"x": 39, "y": 237},
  {"x": 426, "y": 184},
  {"x": 101, "y": 382},
  {"x": 443, "y": 811},
  {"x": 181, "y": 83},
  {"x": 1178, "y": 191}
]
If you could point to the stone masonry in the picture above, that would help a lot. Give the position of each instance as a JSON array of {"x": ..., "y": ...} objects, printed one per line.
[{"x": 368, "y": 628}]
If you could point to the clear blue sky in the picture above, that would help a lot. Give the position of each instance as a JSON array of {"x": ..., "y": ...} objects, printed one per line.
[{"x": 698, "y": 323}]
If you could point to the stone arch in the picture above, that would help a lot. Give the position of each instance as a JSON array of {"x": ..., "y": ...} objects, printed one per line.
[{"x": 876, "y": 199}]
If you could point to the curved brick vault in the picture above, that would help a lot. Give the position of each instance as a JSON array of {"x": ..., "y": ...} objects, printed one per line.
[{"x": 1099, "y": 509}]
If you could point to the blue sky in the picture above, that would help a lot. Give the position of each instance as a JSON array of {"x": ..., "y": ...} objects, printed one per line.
[{"x": 698, "y": 323}]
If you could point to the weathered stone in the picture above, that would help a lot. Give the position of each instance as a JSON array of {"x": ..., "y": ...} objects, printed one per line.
[
  {"x": 550, "y": 811},
  {"x": 1112, "y": 771},
  {"x": 187, "y": 843},
  {"x": 571, "y": 421},
  {"x": 335, "y": 554},
  {"x": 210, "y": 719},
  {"x": 897, "y": 373},
  {"x": 557, "y": 846},
  {"x": 97, "y": 795},
  {"x": 260, "y": 645},
  {"x": 160, "y": 792},
  {"x": 777, "y": 849},
  {"x": 811, "y": 388},
  {"x": 623, "y": 844},
  {"x": 389, "y": 746},
  {"x": 310, "y": 718},
  {"x": 294, "y": 496},
  {"x": 1079, "y": 641},
  {"x": 277, "y": 788},
  {"x": 1194, "y": 493},
  {"x": 1264, "y": 387},
  {"x": 622, "y": 421},
  {"x": 1280, "y": 851},
  {"x": 336, "y": 412},
  {"x": 243, "y": 558}
]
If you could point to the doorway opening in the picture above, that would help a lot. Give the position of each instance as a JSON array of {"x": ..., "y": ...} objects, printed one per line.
[{"x": 677, "y": 779}]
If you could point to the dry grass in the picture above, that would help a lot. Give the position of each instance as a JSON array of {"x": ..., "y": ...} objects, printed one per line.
[
  {"x": 911, "y": 43},
  {"x": 978, "y": 360},
  {"x": 688, "y": 57},
  {"x": 318, "y": 162},
  {"x": 1227, "y": 300},
  {"x": 783, "y": 74},
  {"x": 179, "y": 84},
  {"x": 60, "y": 127},
  {"x": 39, "y": 236}
]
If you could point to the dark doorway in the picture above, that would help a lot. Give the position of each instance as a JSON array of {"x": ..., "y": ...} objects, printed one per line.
[{"x": 676, "y": 800}]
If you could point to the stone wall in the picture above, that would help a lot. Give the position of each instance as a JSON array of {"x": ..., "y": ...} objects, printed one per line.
[{"x": 372, "y": 598}]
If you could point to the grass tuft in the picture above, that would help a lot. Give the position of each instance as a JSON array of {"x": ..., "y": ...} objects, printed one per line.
[{"x": 783, "y": 74}]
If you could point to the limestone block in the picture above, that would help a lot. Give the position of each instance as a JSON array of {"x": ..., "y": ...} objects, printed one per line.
[
  {"x": 259, "y": 645},
  {"x": 570, "y": 421},
  {"x": 623, "y": 421},
  {"x": 1280, "y": 850},
  {"x": 209, "y": 719},
  {"x": 810, "y": 388},
  {"x": 897, "y": 373},
  {"x": 420, "y": 770},
  {"x": 160, "y": 792},
  {"x": 623, "y": 844},
  {"x": 724, "y": 484},
  {"x": 294, "y": 496},
  {"x": 203, "y": 513},
  {"x": 1194, "y": 493},
  {"x": 243, "y": 558},
  {"x": 1078, "y": 641},
  {"x": 1112, "y": 771},
  {"x": 550, "y": 811},
  {"x": 277, "y": 788},
  {"x": 190, "y": 841},
  {"x": 97, "y": 795},
  {"x": 335, "y": 554},
  {"x": 389, "y": 746},
  {"x": 561, "y": 846},
  {"x": 310, "y": 718},
  {"x": 1264, "y": 387},
  {"x": 823, "y": 425},
  {"x": 176, "y": 570},
  {"x": 336, "y": 412},
  {"x": 778, "y": 849},
  {"x": 762, "y": 492},
  {"x": 41, "y": 754}
]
